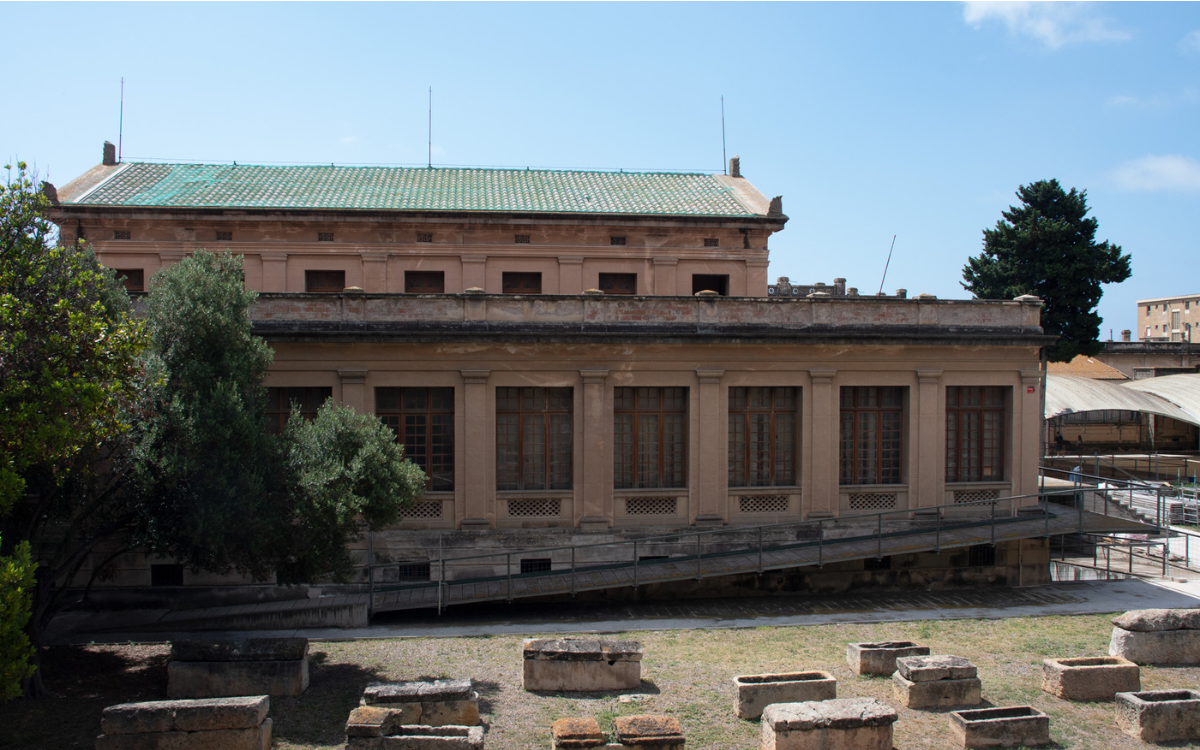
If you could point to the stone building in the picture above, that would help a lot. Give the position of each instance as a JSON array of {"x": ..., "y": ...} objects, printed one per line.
[{"x": 575, "y": 356}]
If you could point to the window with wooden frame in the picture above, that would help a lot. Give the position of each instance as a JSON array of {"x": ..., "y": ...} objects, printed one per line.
[
  {"x": 521, "y": 282},
  {"x": 281, "y": 400},
  {"x": 425, "y": 282},
  {"x": 975, "y": 433},
  {"x": 324, "y": 281},
  {"x": 872, "y": 428},
  {"x": 133, "y": 279},
  {"x": 650, "y": 438},
  {"x": 423, "y": 420},
  {"x": 762, "y": 436},
  {"x": 533, "y": 438},
  {"x": 618, "y": 283}
]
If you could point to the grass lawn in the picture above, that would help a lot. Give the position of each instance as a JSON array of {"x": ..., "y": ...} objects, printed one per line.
[{"x": 686, "y": 674}]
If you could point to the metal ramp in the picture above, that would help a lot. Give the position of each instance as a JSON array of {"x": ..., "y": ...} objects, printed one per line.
[{"x": 829, "y": 541}]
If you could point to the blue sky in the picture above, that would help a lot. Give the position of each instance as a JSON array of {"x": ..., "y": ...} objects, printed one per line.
[{"x": 913, "y": 119}]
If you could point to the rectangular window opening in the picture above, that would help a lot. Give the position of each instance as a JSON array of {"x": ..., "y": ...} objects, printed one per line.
[
  {"x": 877, "y": 563},
  {"x": 871, "y": 434},
  {"x": 133, "y": 279},
  {"x": 412, "y": 571},
  {"x": 324, "y": 282},
  {"x": 423, "y": 420},
  {"x": 618, "y": 283},
  {"x": 521, "y": 282},
  {"x": 166, "y": 575},
  {"x": 763, "y": 424},
  {"x": 424, "y": 237},
  {"x": 710, "y": 282},
  {"x": 616, "y": 240},
  {"x": 534, "y": 429},
  {"x": 975, "y": 433},
  {"x": 280, "y": 401},
  {"x": 425, "y": 282},
  {"x": 981, "y": 555},
  {"x": 650, "y": 438},
  {"x": 535, "y": 565},
  {"x": 121, "y": 234},
  {"x": 521, "y": 239},
  {"x": 712, "y": 242},
  {"x": 224, "y": 236},
  {"x": 324, "y": 236}
]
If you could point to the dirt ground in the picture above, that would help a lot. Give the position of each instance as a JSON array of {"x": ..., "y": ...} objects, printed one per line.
[{"x": 685, "y": 673}]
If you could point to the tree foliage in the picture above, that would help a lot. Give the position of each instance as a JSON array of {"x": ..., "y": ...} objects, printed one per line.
[
  {"x": 16, "y": 598},
  {"x": 1047, "y": 247}
]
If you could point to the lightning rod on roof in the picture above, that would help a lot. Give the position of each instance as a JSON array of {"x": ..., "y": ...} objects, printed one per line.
[
  {"x": 121, "y": 121},
  {"x": 885, "y": 265},
  {"x": 724, "y": 161},
  {"x": 430, "y": 162}
]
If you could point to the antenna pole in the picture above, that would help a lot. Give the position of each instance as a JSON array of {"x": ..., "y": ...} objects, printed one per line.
[
  {"x": 430, "y": 162},
  {"x": 121, "y": 121},
  {"x": 885, "y": 265},
  {"x": 724, "y": 161}
]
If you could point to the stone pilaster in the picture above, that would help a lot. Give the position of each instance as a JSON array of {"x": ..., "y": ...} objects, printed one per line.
[
  {"x": 711, "y": 490},
  {"x": 927, "y": 480},
  {"x": 596, "y": 493},
  {"x": 822, "y": 435},
  {"x": 479, "y": 452}
]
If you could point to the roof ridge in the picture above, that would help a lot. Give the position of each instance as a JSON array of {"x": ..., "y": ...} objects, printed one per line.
[{"x": 315, "y": 165}]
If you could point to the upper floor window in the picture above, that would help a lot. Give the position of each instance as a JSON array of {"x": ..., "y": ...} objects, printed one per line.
[
  {"x": 650, "y": 437},
  {"x": 710, "y": 282},
  {"x": 423, "y": 419},
  {"x": 872, "y": 420},
  {"x": 975, "y": 433},
  {"x": 121, "y": 234},
  {"x": 133, "y": 279},
  {"x": 425, "y": 282},
  {"x": 518, "y": 282},
  {"x": 324, "y": 281},
  {"x": 281, "y": 400},
  {"x": 534, "y": 438},
  {"x": 618, "y": 283},
  {"x": 762, "y": 436}
]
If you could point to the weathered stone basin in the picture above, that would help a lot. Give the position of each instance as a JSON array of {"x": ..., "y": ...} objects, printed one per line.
[
  {"x": 1159, "y": 715},
  {"x": 880, "y": 658},
  {"x": 757, "y": 691},
  {"x": 1015, "y": 726},
  {"x": 1090, "y": 678}
]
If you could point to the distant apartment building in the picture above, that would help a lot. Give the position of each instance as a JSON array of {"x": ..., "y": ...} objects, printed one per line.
[{"x": 1168, "y": 318}]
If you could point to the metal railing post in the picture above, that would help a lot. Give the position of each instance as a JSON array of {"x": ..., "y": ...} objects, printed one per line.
[
  {"x": 1166, "y": 551},
  {"x": 508, "y": 572},
  {"x": 879, "y": 537},
  {"x": 993, "y": 523},
  {"x": 441, "y": 586},
  {"x": 697, "y": 557},
  {"x": 821, "y": 543},
  {"x": 572, "y": 571},
  {"x": 937, "y": 535},
  {"x": 760, "y": 549},
  {"x": 635, "y": 564}
]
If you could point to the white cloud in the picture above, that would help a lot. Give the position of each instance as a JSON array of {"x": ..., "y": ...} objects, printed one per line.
[
  {"x": 348, "y": 139},
  {"x": 1054, "y": 24},
  {"x": 1191, "y": 42},
  {"x": 1174, "y": 173}
]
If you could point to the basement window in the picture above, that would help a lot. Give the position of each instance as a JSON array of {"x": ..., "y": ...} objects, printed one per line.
[
  {"x": 880, "y": 563},
  {"x": 521, "y": 239},
  {"x": 981, "y": 556},
  {"x": 166, "y": 575},
  {"x": 324, "y": 236},
  {"x": 120, "y": 234},
  {"x": 616, "y": 240},
  {"x": 324, "y": 281},
  {"x": 535, "y": 565},
  {"x": 412, "y": 571},
  {"x": 424, "y": 237},
  {"x": 712, "y": 241},
  {"x": 224, "y": 236}
]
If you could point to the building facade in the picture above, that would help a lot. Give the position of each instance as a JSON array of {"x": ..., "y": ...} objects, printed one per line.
[
  {"x": 590, "y": 355},
  {"x": 1168, "y": 318}
]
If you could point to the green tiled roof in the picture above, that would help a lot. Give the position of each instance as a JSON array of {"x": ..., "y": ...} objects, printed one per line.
[{"x": 415, "y": 189}]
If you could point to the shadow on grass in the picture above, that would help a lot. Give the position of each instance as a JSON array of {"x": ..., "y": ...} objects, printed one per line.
[
  {"x": 318, "y": 717},
  {"x": 647, "y": 687}
]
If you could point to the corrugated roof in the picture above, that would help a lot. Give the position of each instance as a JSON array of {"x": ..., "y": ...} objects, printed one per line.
[
  {"x": 1066, "y": 394},
  {"x": 415, "y": 189},
  {"x": 1084, "y": 366}
]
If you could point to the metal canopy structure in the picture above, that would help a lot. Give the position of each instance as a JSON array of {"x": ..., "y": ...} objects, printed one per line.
[{"x": 1174, "y": 396}]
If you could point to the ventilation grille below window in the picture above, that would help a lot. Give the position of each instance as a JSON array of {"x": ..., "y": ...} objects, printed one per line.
[
  {"x": 521, "y": 239},
  {"x": 224, "y": 236},
  {"x": 873, "y": 501},
  {"x": 324, "y": 236},
  {"x": 423, "y": 510},
  {"x": 424, "y": 238},
  {"x": 966, "y": 497},
  {"x": 651, "y": 506},
  {"x": 120, "y": 234},
  {"x": 534, "y": 508},
  {"x": 763, "y": 504},
  {"x": 712, "y": 242}
]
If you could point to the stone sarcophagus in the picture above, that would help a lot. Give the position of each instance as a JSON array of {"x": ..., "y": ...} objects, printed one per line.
[
  {"x": 648, "y": 732},
  {"x": 880, "y": 658},
  {"x": 576, "y": 733},
  {"x": 1157, "y": 636},
  {"x": 1090, "y": 678},
  {"x": 841, "y": 724},
  {"x": 581, "y": 664},
  {"x": 936, "y": 682},
  {"x": 432, "y": 703},
  {"x": 757, "y": 691},
  {"x": 238, "y": 723},
  {"x": 416, "y": 737},
  {"x": 1160, "y": 715},
  {"x": 1016, "y": 726},
  {"x": 247, "y": 666}
]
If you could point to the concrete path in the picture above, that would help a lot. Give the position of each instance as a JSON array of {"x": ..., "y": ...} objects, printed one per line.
[{"x": 1076, "y": 598}]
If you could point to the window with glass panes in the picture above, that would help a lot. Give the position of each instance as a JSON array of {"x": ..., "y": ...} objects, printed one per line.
[
  {"x": 975, "y": 433},
  {"x": 281, "y": 400},
  {"x": 533, "y": 438},
  {"x": 423, "y": 420},
  {"x": 650, "y": 437},
  {"x": 762, "y": 436},
  {"x": 872, "y": 421}
]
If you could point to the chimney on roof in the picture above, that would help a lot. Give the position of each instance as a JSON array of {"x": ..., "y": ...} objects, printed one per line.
[
  {"x": 776, "y": 208},
  {"x": 735, "y": 166},
  {"x": 110, "y": 154},
  {"x": 1126, "y": 335},
  {"x": 902, "y": 293},
  {"x": 839, "y": 287}
]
